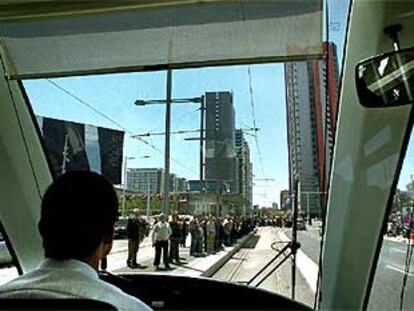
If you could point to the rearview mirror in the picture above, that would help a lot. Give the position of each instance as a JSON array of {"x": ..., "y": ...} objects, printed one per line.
[{"x": 386, "y": 80}]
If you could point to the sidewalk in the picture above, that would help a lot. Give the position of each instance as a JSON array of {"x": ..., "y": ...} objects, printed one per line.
[
  {"x": 397, "y": 239},
  {"x": 192, "y": 266}
]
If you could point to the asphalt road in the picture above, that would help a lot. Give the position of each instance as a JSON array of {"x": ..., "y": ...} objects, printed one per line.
[
  {"x": 386, "y": 290},
  {"x": 309, "y": 242},
  {"x": 388, "y": 280}
]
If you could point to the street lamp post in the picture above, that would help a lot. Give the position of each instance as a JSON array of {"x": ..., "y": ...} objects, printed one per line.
[
  {"x": 148, "y": 198},
  {"x": 168, "y": 102},
  {"x": 202, "y": 113},
  {"x": 165, "y": 209},
  {"x": 125, "y": 183}
]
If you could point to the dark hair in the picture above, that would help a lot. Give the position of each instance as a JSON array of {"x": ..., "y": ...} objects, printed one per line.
[{"x": 79, "y": 210}]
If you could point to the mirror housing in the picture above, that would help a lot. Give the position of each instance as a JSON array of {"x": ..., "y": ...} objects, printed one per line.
[{"x": 386, "y": 80}]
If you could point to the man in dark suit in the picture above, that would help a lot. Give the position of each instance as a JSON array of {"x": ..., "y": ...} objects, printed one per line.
[{"x": 133, "y": 234}]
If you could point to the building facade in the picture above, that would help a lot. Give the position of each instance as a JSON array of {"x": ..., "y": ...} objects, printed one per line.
[
  {"x": 206, "y": 203},
  {"x": 145, "y": 179},
  {"x": 139, "y": 179},
  {"x": 311, "y": 103},
  {"x": 245, "y": 168},
  {"x": 284, "y": 200},
  {"x": 220, "y": 155},
  {"x": 182, "y": 185}
]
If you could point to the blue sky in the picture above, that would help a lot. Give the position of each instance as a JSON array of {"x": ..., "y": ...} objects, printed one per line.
[{"x": 114, "y": 96}]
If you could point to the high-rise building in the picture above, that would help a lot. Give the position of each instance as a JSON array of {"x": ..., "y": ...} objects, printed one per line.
[
  {"x": 140, "y": 179},
  {"x": 220, "y": 156},
  {"x": 182, "y": 185},
  {"x": 173, "y": 183},
  {"x": 245, "y": 172},
  {"x": 311, "y": 102},
  {"x": 284, "y": 199},
  {"x": 326, "y": 85}
]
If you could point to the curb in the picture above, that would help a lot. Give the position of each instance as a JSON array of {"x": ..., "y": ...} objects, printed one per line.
[
  {"x": 223, "y": 260},
  {"x": 398, "y": 239}
]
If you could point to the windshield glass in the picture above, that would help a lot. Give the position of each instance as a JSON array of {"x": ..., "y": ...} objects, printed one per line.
[
  {"x": 7, "y": 269},
  {"x": 241, "y": 140},
  {"x": 393, "y": 279}
]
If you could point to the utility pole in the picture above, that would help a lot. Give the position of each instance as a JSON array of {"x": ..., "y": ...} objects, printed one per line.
[
  {"x": 165, "y": 208},
  {"x": 202, "y": 130},
  {"x": 148, "y": 199},
  {"x": 295, "y": 205},
  {"x": 124, "y": 184}
]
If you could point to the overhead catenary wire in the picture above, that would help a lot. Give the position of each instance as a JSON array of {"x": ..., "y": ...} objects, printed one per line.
[
  {"x": 91, "y": 107},
  {"x": 254, "y": 120}
]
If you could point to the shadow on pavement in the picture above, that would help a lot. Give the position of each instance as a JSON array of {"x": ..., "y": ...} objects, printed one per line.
[{"x": 252, "y": 242}]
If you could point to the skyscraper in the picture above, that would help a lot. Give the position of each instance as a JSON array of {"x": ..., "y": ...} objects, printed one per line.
[
  {"x": 245, "y": 172},
  {"x": 220, "y": 157},
  {"x": 325, "y": 83},
  {"x": 311, "y": 102}
]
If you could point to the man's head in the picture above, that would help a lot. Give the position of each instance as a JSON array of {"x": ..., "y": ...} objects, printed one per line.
[
  {"x": 175, "y": 217},
  {"x": 162, "y": 217},
  {"x": 78, "y": 213},
  {"x": 136, "y": 212}
]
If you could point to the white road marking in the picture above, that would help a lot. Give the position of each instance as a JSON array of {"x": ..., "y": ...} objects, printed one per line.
[
  {"x": 8, "y": 274},
  {"x": 397, "y": 250},
  {"x": 398, "y": 270},
  {"x": 307, "y": 267}
]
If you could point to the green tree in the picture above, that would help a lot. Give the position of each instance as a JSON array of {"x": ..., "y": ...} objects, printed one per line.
[{"x": 236, "y": 203}]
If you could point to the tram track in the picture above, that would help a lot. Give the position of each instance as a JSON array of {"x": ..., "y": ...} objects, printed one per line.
[
  {"x": 235, "y": 271},
  {"x": 236, "y": 261},
  {"x": 238, "y": 267}
]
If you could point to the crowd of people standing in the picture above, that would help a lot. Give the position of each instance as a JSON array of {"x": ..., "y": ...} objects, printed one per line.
[{"x": 209, "y": 234}]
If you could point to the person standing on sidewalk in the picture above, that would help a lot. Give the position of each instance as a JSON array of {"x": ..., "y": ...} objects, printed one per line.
[
  {"x": 203, "y": 225},
  {"x": 196, "y": 235},
  {"x": 160, "y": 237},
  {"x": 227, "y": 225},
  {"x": 132, "y": 230},
  {"x": 184, "y": 231},
  {"x": 175, "y": 238},
  {"x": 211, "y": 234}
]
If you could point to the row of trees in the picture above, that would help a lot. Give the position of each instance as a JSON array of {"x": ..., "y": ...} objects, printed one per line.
[
  {"x": 235, "y": 202},
  {"x": 140, "y": 202},
  {"x": 403, "y": 199}
]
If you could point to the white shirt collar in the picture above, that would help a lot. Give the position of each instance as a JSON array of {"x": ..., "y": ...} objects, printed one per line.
[{"x": 69, "y": 264}]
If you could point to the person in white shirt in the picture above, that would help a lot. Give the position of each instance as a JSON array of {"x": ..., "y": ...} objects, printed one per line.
[
  {"x": 160, "y": 237},
  {"x": 78, "y": 215}
]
